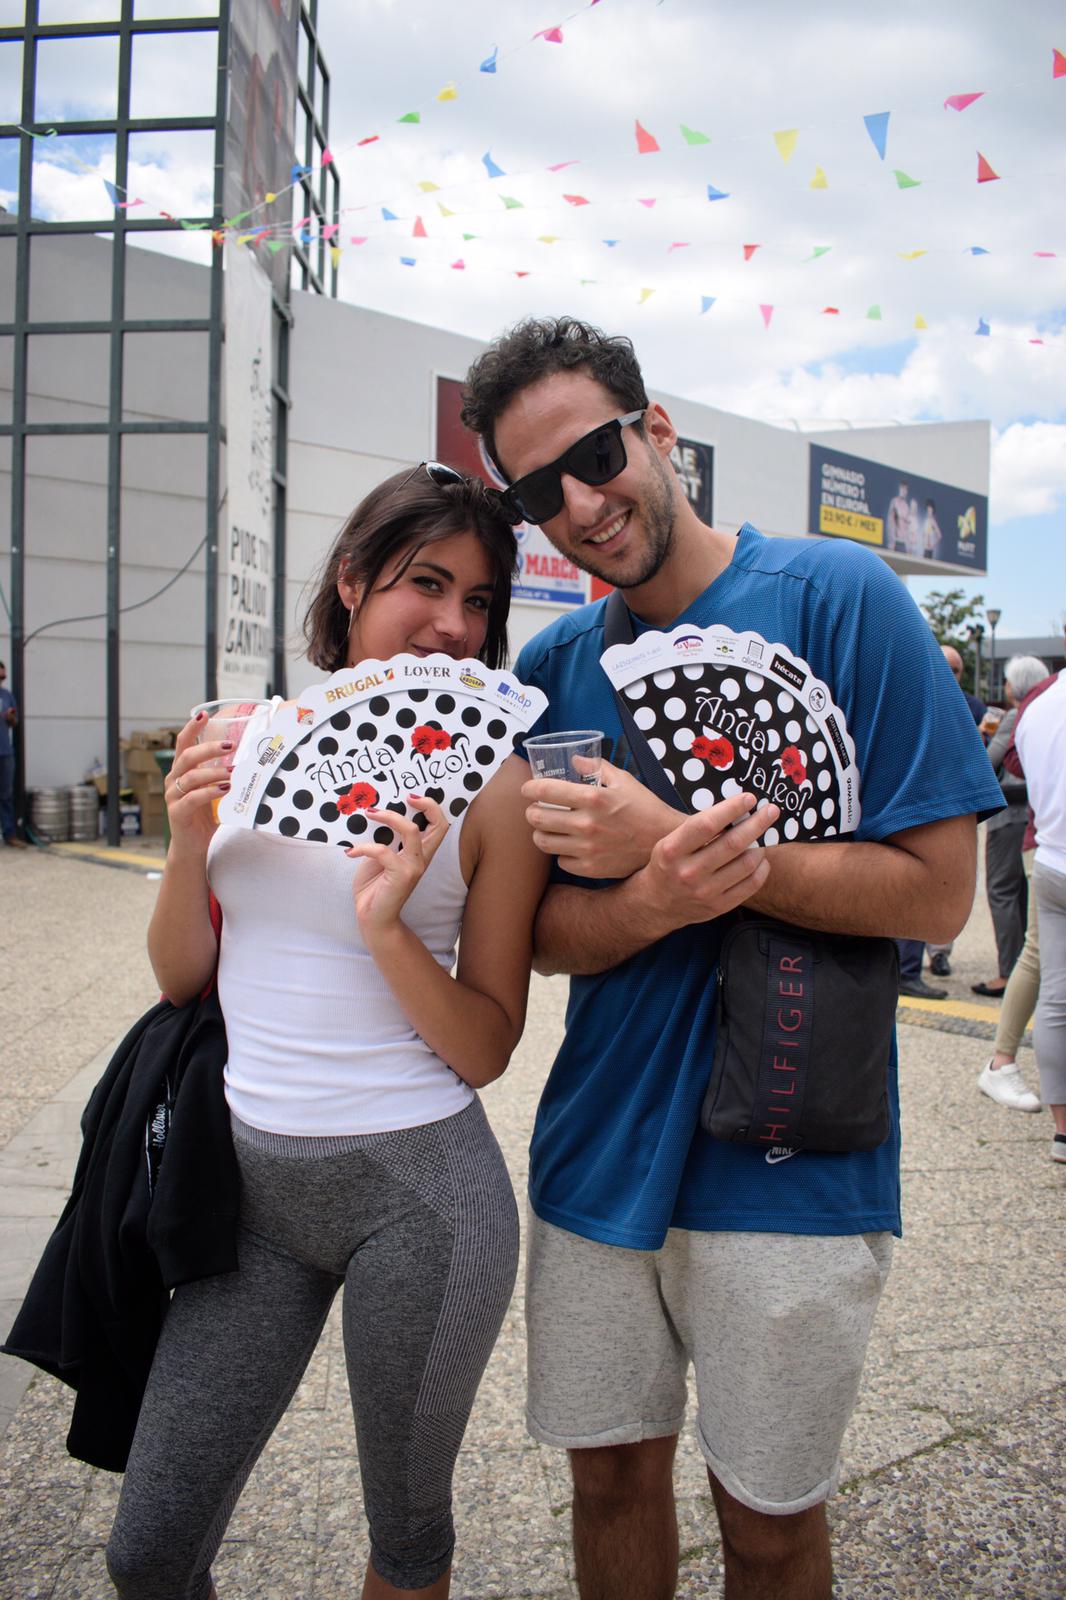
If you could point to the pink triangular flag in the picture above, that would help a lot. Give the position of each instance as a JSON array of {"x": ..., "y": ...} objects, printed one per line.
[
  {"x": 749, "y": 251},
  {"x": 1045, "y": 255},
  {"x": 646, "y": 142},
  {"x": 767, "y": 313},
  {"x": 419, "y": 231},
  {"x": 1058, "y": 70},
  {"x": 329, "y": 229},
  {"x": 522, "y": 274},
  {"x": 559, "y": 165},
  {"x": 830, "y": 311},
  {"x": 678, "y": 244},
  {"x": 359, "y": 238},
  {"x": 459, "y": 266},
  {"x": 370, "y": 139},
  {"x": 327, "y": 157},
  {"x": 985, "y": 173},
  {"x": 575, "y": 199},
  {"x": 552, "y": 35},
  {"x": 648, "y": 203},
  {"x": 959, "y": 102}
]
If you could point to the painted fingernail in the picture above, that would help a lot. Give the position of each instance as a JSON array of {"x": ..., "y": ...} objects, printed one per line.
[
  {"x": 227, "y": 744},
  {"x": 224, "y": 786},
  {"x": 199, "y": 717}
]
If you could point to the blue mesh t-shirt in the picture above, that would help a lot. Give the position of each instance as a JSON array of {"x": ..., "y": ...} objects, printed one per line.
[{"x": 617, "y": 1152}]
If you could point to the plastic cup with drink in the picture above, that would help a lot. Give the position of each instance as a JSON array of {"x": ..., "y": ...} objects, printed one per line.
[{"x": 574, "y": 756}]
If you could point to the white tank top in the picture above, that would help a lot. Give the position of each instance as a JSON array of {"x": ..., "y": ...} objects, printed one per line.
[{"x": 317, "y": 1043}]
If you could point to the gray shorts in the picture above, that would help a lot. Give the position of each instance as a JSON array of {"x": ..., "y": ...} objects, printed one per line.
[{"x": 774, "y": 1324}]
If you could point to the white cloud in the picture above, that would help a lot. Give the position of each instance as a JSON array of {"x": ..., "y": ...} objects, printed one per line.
[{"x": 1028, "y": 470}]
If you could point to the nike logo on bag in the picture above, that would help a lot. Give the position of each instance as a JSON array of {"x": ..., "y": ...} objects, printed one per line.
[{"x": 779, "y": 1152}]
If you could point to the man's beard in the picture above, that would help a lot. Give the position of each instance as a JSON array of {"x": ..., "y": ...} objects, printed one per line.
[{"x": 657, "y": 516}]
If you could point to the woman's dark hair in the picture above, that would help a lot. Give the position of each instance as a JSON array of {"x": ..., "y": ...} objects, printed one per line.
[
  {"x": 537, "y": 349},
  {"x": 398, "y": 518}
]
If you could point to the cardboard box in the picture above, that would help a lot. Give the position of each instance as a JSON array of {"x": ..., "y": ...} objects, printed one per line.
[
  {"x": 151, "y": 739},
  {"x": 150, "y": 804},
  {"x": 129, "y": 819}
]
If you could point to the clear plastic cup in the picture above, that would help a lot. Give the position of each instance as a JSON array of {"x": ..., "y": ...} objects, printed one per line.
[
  {"x": 573, "y": 756},
  {"x": 227, "y": 719}
]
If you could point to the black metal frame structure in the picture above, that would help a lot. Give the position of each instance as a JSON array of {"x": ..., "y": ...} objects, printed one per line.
[{"x": 24, "y": 227}]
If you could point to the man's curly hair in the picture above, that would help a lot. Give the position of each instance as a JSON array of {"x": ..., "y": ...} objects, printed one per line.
[{"x": 536, "y": 349}]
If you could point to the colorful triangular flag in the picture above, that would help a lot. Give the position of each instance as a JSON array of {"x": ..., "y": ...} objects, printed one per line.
[
  {"x": 645, "y": 294},
  {"x": 648, "y": 203},
  {"x": 449, "y": 92},
  {"x": 877, "y": 128},
  {"x": 982, "y": 328},
  {"x": 547, "y": 238},
  {"x": 706, "y": 302},
  {"x": 427, "y": 186},
  {"x": 830, "y": 311},
  {"x": 678, "y": 244},
  {"x": 819, "y": 181},
  {"x": 327, "y": 154},
  {"x": 911, "y": 255},
  {"x": 490, "y": 166},
  {"x": 819, "y": 250},
  {"x": 408, "y": 261},
  {"x": 1058, "y": 70},
  {"x": 371, "y": 138},
  {"x": 693, "y": 136},
  {"x": 904, "y": 182},
  {"x": 112, "y": 192},
  {"x": 575, "y": 200},
  {"x": 749, "y": 251},
  {"x": 410, "y": 116},
  {"x": 335, "y": 255},
  {"x": 716, "y": 194},
  {"x": 985, "y": 174},
  {"x": 444, "y": 210},
  {"x": 419, "y": 229},
  {"x": 959, "y": 102},
  {"x": 646, "y": 142},
  {"x": 978, "y": 250},
  {"x": 550, "y": 35},
  {"x": 387, "y": 215},
  {"x": 920, "y": 322},
  {"x": 510, "y": 203},
  {"x": 874, "y": 314},
  {"x": 766, "y": 312},
  {"x": 786, "y": 142},
  {"x": 489, "y": 63},
  {"x": 460, "y": 265}
]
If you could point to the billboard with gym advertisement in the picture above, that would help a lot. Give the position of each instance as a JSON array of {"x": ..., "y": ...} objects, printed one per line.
[
  {"x": 544, "y": 576},
  {"x": 896, "y": 511}
]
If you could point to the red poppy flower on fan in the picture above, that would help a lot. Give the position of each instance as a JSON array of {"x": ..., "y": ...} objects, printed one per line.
[
  {"x": 360, "y": 797},
  {"x": 793, "y": 764},
  {"x": 716, "y": 752},
  {"x": 426, "y": 739}
]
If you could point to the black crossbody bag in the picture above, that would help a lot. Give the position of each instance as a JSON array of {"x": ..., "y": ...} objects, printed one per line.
[{"x": 804, "y": 1020}]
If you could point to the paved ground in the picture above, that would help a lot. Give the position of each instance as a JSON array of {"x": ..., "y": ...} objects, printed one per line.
[{"x": 953, "y": 1482}]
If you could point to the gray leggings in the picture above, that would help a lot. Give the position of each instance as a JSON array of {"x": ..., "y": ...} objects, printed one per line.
[
  {"x": 420, "y": 1227},
  {"x": 1049, "y": 1028}
]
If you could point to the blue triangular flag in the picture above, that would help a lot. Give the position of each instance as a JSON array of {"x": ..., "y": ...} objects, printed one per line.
[
  {"x": 112, "y": 193},
  {"x": 877, "y": 128},
  {"x": 610, "y": 243},
  {"x": 978, "y": 250},
  {"x": 408, "y": 261},
  {"x": 982, "y": 327},
  {"x": 387, "y": 215},
  {"x": 706, "y": 302},
  {"x": 716, "y": 194},
  {"x": 298, "y": 172},
  {"x": 491, "y": 168},
  {"x": 489, "y": 63}
]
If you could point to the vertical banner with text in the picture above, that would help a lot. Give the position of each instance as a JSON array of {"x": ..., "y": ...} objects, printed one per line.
[{"x": 246, "y": 536}]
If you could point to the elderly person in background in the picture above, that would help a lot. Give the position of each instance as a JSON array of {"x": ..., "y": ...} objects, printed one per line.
[
  {"x": 1005, "y": 878},
  {"x": 1041, "y": 746}
]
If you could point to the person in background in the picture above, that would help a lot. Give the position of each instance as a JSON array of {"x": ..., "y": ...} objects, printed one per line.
[
  {"x": 940, "y": 954},
  {"x": 9, "y": 717},
  {"x": 1040, "y": 742},
  {"x": 930, "y": 532},
  {"x": 1005, "y": 878}
]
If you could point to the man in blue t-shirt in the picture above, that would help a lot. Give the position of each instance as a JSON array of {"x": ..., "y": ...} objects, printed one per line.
[{"x": 651, "y": 1244}]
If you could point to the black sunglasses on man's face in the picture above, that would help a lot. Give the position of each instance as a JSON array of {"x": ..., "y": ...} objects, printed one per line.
[{"x": 594, "y": 459}]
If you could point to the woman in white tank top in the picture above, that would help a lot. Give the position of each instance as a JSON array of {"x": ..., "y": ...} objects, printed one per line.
[{"x": 355, "y": 1051}]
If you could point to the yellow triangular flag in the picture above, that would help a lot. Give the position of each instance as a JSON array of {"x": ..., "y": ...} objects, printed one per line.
[
  {"x": 427, "y": 187},
  {"x": 449, "y": 92},
  {"x": 547, "y": 238},
  {"x": 920, "y": 322},
  {"x": 335, "y": 255},
  {"x": 786, "y": 142},
  {"x": 819, "y": 181},
  {"x": 443, "y": 209},
  {"x": 270, "y": 197},
  {"x": 645, "y": 294},
  {"x": 910, "y": 255}
]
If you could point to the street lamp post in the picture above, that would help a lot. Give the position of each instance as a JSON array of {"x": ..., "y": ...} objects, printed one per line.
[
  {"x": 993, "y": 616},
  {"x": 978, "y": 635}
]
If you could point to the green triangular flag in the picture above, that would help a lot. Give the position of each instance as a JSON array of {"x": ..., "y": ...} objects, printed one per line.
[
  {"x": 874, "y": 314},
  {"x": 469, "y": 235},
  {"x": 693, "y": 136},
  {"x": 819, "y": 250},
  {"x": 905, "y": 182},
  {"x": 274, "y": 245},
  {"x": 511, "y": 203},
  {"x": 412, "y": 116}
]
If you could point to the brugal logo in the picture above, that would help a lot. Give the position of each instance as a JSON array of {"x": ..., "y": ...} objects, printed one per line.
[{"x": 786, "y": 1045}]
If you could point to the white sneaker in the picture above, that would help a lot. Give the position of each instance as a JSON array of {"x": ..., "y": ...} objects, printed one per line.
[
  {"x": 1006, "y": 1086},
  {"x": 1058, "y": 1147}
]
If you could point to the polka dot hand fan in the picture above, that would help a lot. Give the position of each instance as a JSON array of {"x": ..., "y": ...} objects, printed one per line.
[
  {"x": 371, "y": 735},
  {"x": 726, "y": 712}
]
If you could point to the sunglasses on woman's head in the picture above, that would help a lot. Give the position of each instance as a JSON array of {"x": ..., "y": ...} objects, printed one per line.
[
  {"x": 594, "y": 459},
  {"x": 436, "y": 471}
]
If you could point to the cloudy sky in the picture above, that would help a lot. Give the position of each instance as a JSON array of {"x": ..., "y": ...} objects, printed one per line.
[{"x": 889, "y": 243}]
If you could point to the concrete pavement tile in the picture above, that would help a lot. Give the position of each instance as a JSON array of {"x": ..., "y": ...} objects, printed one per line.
[
  {"x": 952, "y": 1521},
  {"x": 279, "y": 1503},
  {"x": 83, "y": 1575},
  {"x": 311, "y": 1395},
  {"x": 928, "y": 1200},
  {"x": 15, "y": 1112},
  {"x": 975, "y": 1384},
  {"x": 246, "y": 1570},
  {"x": 101, "y": 1503},
  {"x": 883, "y": 1430},
  {"x": 507, "y": 1541},
  {"x": 28, "y": 1571},
  {"x": 1032, "y": 1437}
]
